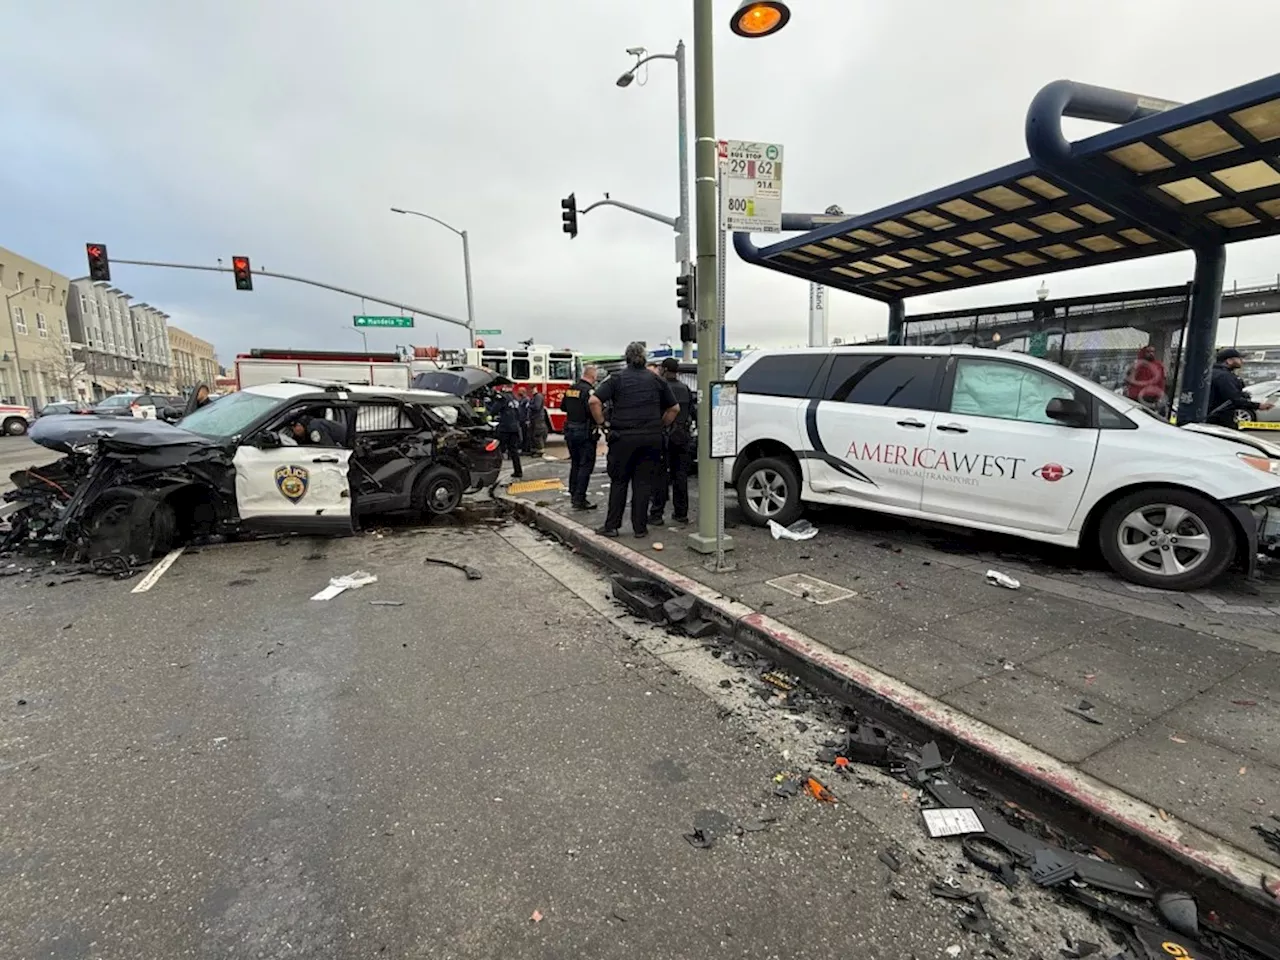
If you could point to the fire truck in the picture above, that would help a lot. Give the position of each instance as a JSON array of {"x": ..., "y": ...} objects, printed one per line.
[
  {"x": 548, "y": 370},
  {"x": 271, "y": 366}
]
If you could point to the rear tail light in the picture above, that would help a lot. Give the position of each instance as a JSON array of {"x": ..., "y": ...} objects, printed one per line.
[{"x": 491, "y": 446}]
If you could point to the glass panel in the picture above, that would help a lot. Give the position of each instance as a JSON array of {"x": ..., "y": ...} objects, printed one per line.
[
  {"x": 1016, "y": 231},
  {"x": 1248, "y": 176},
  {"x": 792, "y": 255},
  {"x": 980, "y": 240},
  {"x": 995, "y": 266},
  {"x": 915, "y": 253},
  {"x": 1090, "y": 212},
  {"x": 935, "y": 275},
  {"x": 1056, "y": 222},
  {"x": 911, "y": 281},
  {"x": 897, "y": 229},
  {"x": 1100, "y": 244},
  {"x": 519, "y": 369},
  {"x": 888, "y": 285},
  {"x": 949, "y": 248},
  {"x": 819, "y": 251},
  {"x": 1043, "y": 187},
  {"x": 891, "y": 261},
  {"x": 866, "y": 267},
  {"x": 1060, "y": 251},
  {"x": 903, "y": 382},
  {"x": 1006, "y": 391},
  {"x": 1190, "y": 190},
  {"x": 1201, "y": 140},
  {"x": 847, "y": 272},
  {"x": 930, "y": 220},
  {"x": 1004, "y": 198},
  {"x": 1140, "y": 158},
  {"x": 1232, "y": 217},
  {"x": 964, "y": 209},
  {"x": 1134, "y": 235},
  {"x": 1271, "y": 206},
  {"x": 960, "y": 270},
  {"x": 866, "y": 236},
  {"x": 1024, "y": 259},
  {"x": 782, "y": 374},
  {"x": 841, "y": 244},
  {"x": 1263, "y": 120}
]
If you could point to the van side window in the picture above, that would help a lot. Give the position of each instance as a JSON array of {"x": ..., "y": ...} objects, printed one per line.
[
  {"x": 1007, "y": 391},
  {"x": 902, "y": 380},
  {"x": 782, "y": 375}
]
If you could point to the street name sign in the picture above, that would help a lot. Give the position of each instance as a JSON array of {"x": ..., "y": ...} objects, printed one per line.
[
  {"x": 363, "y": 321},
  {"x": 488, "y": 333},
  {"x": 750, "y": 186}
]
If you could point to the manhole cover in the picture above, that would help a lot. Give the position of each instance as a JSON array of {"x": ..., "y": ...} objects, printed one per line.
[{"x": 811, "y": 588}]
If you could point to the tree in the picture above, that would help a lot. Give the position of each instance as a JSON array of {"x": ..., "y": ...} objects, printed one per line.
[{"x": 65, "y": 370}]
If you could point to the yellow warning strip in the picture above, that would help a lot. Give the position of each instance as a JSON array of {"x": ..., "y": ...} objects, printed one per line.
[
  {"x": 1257, "y": 425},
  {"x": 533, "y": 486}
]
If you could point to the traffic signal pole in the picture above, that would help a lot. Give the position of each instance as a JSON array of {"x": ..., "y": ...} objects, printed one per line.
[{"x": 408, "y": 308}]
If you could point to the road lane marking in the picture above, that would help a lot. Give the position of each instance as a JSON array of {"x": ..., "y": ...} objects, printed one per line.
[{"x": 156, "y": 572}]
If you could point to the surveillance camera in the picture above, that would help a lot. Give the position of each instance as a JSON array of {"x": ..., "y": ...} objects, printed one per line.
[{"x": 636, "y": 51}]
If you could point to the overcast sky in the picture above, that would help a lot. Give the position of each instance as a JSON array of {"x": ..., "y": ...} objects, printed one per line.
[{"x": 285, "y": 129}]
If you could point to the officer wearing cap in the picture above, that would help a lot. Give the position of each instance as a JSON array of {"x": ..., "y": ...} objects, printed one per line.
[
  {"x": 643, "y": 405},
  {"x": 1226, "y": 391},
  {"x": 677, "y": 451},
  {"x": 581, "y": 437}
]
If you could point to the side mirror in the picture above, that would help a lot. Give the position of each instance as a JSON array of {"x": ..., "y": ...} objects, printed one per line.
[
  {"x": 170, "y": 414},
  {"x": 266, "y": 441},
  {"x": 1067, "y": 410}
]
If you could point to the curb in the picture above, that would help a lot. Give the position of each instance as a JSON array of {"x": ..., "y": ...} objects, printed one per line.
[{"x": 1173, "y": 853}]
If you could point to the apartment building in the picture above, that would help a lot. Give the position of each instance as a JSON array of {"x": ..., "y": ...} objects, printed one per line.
[
  {"x": 123, "y": 345},
  {"x": 193, "y": 359},
  {"x": 37, "y": 361}
]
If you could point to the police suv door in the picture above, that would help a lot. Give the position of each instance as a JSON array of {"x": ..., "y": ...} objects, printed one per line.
[{"x": 294, "y": 489}]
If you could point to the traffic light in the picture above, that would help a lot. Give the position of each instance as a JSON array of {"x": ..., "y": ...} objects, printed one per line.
[
  {"x": 99, "y": 265},
  {"x": 688, "y": 333},
  {"x": 569, "y": 214},
  {"x": 244, "y": 274},
  {"x": 686, "y": 290}
]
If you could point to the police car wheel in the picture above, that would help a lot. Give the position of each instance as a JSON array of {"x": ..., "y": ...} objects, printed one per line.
[
  {"x": 769, "y": 489},
  {"x": 15, "y": 426},
  {"x": 438, "y": 492},
  {"x": 1167, "y": 538}
]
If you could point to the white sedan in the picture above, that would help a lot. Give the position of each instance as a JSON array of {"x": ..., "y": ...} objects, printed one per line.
[{"x": 999, "y": 441}]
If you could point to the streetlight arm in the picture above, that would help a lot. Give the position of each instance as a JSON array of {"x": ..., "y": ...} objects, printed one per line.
[
  {"x": 652, "y": 56},
  {"x": 671, "y": 222},
  {"x": 427, "y": 216}
]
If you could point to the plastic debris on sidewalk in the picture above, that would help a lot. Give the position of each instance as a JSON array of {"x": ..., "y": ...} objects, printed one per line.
[
  {"x": 352, "y": 581},
  {"x": 800, "y": 530},
  {"x": 998, "y": 579},
  {"x": 471, "y": 572},
  {"x": 818, "y": 791},
  {"x": 951, "y": 821}
]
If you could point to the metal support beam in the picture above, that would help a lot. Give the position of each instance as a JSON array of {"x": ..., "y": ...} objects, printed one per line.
[
  {"x": 1202, "y": 333},
  {"x": 897, "y": 319},
  {"x": 630, "y": 208}
]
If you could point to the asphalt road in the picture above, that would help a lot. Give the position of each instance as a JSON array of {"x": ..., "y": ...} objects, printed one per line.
[
  {"x": 222, "y": 767},
  {"x": 17, "y": 453}
]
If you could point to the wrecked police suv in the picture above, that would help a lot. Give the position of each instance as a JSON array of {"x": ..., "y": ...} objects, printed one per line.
[{"x": 306, "y": 457}]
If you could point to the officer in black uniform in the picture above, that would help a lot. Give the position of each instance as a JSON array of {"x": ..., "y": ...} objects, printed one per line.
[
  {"x": 677, "y": 451},
  {"x": 581, "y": 437},
  {"x": 643, "y": 405}
]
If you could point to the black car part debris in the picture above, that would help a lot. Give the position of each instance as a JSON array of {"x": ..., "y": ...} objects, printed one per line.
[
  {"x": 992, "y": 855},
  {"x": 471, "y": 572},
  {"x": 658, "y": 603},
  {"x": 1270, "y": 835},
  {"x": 1177, "y": 908}
]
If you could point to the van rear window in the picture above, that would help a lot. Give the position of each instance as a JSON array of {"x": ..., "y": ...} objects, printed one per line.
[{"x": 782, "y": 375}]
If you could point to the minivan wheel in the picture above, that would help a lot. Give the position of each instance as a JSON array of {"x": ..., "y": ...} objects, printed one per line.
[
  {"x": 1168, "y": 539},
  {"x": 15, "y": 427},
  {"x": 769, "y": 489},
  {"x": 438, "y": 492}
]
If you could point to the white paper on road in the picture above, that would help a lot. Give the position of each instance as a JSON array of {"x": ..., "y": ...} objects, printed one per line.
[
  {"x": 158, "y": 571},
  {"x": 800, "y": 530},
  {"x": 951, "y": 821},
  {"x": 352, "y": 581}
]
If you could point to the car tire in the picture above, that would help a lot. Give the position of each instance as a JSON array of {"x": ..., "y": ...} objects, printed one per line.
[
  {"x": 1244, "y": 416},
  {"x": 1169, "y": 562},
  {"x": 162, "y": 527},
  {"x": 769, "y": 489},
  {"x": 15, "y": 427},
  {"x": 438, "y": 492}
]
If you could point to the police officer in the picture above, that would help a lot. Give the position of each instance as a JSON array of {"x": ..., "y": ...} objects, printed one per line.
[
  {"x": 581, "y": 437},
  {"x": 643, "y": 405},
  {"x": 505, "y": 411},
  {"x": 677, "y": 451}
]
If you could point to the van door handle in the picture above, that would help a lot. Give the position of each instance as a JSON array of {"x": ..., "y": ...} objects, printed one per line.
[
  {"x": 953, "y": 428},
  {"x": 910, "y": 423},
  {"x": 325, "y": 460}
]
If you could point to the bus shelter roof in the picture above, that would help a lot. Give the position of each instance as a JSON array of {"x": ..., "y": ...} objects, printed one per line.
[{"x": 1177, "y": 177}]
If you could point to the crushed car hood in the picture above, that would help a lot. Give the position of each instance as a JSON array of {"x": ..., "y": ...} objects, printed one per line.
[
  {"x": 1266, "y": 446},
  {"x": 461, "y": 381},
  {"x": 66, "y": 432}
]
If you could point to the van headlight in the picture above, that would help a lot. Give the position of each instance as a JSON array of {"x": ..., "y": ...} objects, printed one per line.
[{"x": 1265, "y": 464}]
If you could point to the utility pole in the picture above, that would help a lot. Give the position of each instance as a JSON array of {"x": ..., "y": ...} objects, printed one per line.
[
  {"x": 709, "y": 361},
  {"x": 683, "y": 246}
]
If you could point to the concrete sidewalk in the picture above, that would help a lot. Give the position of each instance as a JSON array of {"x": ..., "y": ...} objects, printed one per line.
[{"x": 1180, "y": 738}]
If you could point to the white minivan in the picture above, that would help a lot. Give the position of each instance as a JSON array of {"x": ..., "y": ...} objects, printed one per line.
[{"x": 1005, "y": 442}]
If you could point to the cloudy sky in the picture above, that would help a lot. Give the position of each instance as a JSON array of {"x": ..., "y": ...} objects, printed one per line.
[{"x": 284, "y": 130}]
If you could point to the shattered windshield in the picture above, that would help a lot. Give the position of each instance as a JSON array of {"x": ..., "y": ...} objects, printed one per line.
[{"x": 230, "y": 415}]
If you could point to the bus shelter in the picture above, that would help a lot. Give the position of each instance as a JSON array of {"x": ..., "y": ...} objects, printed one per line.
[{"x": 1168, "y": 177}]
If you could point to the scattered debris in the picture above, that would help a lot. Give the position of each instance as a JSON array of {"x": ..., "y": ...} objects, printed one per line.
[
  {"x": 471, "y": 572},
  {"x": 1176, "y": 739},
  {"x": 1270, "y": 835},
  {"x": 800, "y": 530},
  {"x": 386, "y": 603},
  {"x": 656, "y": 602},
  {"x": 998, "y": 579},
  {"x": 951, "y": 821},
  {"x": 815, "y": 789},
  {"x": 1178, "y": 909},
  {"x": 536, "y": 916},
  {"x": 787, "y": 787},
  {"x": 1083, "y": 711},
  {"x": 339, "y": 585},
  {"x": 1245, "y": 703},
  {"x": 891, "y": 861}
]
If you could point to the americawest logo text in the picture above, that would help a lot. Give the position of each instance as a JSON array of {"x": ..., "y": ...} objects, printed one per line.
[{"x": 932, "y": 460}]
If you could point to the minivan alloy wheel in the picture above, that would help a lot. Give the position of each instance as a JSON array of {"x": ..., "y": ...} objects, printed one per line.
[
  {"x": 766, "y": 492},
  {"x": 1164, "y": 539}
]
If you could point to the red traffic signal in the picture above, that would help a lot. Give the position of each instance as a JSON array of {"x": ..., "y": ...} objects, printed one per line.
[
  {"x": 244, "y": 274},
  {"x": 99, "y": 265}
]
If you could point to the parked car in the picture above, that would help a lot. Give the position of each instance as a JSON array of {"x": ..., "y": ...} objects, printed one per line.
[
  {"x": 143, "y": 406},
  {"x": 59, "y": 407},
  {"x": 1266, "y": 392},
  {"x": 15, "y": 419},
  {"x": 1001, "y": 442},
  {"x": 304, "y": 457}
]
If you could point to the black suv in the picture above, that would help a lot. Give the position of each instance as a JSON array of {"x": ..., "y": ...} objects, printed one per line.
[{"x": 292, "y": 457}]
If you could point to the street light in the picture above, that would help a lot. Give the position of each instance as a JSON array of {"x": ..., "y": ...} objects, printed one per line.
[
  {"x": 13, "y": 332},
  {"x": 752, "y": 19},
  {"x": 759, "y": 18},
  {"x": 466, "y": 266},
  {"x": 682, "y": 120},
  {"x": 361, "y": 333}
]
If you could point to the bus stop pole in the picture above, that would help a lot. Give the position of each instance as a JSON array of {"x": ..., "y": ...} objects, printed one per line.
[{"x": 705, "y": 540}]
